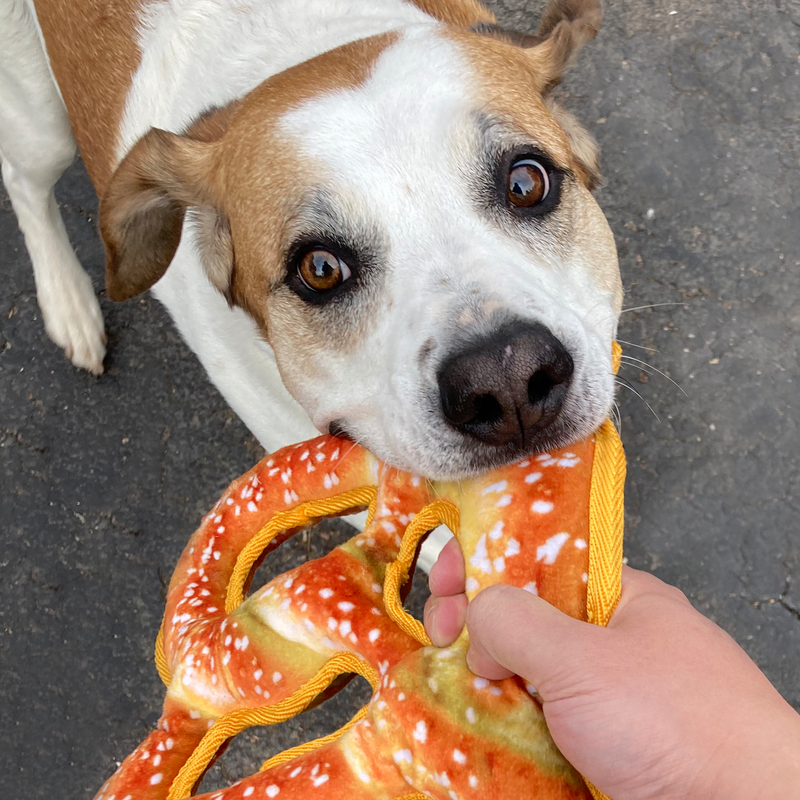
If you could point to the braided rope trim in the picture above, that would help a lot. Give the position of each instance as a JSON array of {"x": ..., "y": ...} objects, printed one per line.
[
  {"x": 606, "y": 523},
  {"x": 606, "y": 518},
  {"x": 305, "y": 514},
  {"x": 309, "y": 747},
  {"x": 233, "y": 723},
  {"x": 434, "y": 514}
]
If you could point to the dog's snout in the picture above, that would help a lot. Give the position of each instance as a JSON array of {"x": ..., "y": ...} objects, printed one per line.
[{"x": 507, "y": 386}]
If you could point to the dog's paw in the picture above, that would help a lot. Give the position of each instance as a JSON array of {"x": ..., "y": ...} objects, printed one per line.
[{"x": 73, "y": 320}]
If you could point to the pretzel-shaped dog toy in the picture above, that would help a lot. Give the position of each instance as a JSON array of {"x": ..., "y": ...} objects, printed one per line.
[{"x": 551, "y": 524}]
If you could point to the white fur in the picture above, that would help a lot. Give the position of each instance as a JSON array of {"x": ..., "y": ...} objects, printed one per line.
[
  {"x": 197, "y": 54},
  {"x": 36, "y": 146},
  {"x": 422, "y": 87}
]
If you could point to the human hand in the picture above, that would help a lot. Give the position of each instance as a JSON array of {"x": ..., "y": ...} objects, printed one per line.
[{"x": 660, "y": 704}]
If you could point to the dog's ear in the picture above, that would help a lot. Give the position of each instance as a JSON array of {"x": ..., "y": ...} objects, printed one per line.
[
  {"x": 215, "y": 243},
  {"x": 566, "y": 26},
  {"x": 142, "y": 210}
]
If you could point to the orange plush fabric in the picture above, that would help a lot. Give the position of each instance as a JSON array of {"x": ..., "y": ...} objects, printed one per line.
[{"x": 431, "y": 727}]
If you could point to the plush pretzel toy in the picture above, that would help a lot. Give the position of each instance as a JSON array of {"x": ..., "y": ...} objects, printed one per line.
[{"x": 551, "y": 524}]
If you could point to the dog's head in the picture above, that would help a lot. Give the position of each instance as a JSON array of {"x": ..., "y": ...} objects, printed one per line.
[{"x": 409, "y": 220}]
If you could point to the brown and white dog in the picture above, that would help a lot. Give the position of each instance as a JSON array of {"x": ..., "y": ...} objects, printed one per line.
[{"x": 366, "y": 216}]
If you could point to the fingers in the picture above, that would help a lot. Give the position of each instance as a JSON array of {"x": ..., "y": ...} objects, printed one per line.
[
  {"x": 446, "y": 609},
  {"x": 447, "y": 574},
  {"x": 515, "y": 632},
  {"x": 444, "y": 618}
]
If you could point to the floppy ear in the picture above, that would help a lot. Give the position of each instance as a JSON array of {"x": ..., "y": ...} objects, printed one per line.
[
  {"x": 215, "y": 243},
  {"x": 142, "y": 210},
  {"x": 566, "y": 26}
]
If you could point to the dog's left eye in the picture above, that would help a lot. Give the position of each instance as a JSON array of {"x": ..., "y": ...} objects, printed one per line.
[
  {"x": 528, "y": 183},
  {"x": 320, "y": 270}
]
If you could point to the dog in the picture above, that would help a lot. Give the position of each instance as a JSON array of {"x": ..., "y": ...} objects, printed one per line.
[{"x": 367, "y": 217}]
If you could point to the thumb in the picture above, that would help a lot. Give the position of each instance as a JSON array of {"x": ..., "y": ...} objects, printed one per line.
[{"x": 514, "y": 632}]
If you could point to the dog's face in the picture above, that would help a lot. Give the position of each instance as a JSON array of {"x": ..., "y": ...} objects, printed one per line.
[{"x": 414, "y": 232}]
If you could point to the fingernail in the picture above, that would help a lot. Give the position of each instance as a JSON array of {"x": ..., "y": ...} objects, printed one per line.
[
  {"x": 469, "y": 660},
  {"x": 430, "y": 616}
]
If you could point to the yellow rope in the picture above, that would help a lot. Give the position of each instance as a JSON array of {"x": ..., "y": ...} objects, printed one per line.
[
  {"x": 616, "y": 356},
  {"x": 162, "y": 666},
  {"x": 309, "y": 747},
  {"x": 606, "y": 521},
  {"x": 433, "y": 515},
  {"x": 606, "y": 517},
  {"x": 302, "y": 515},
  {"x": 235, "y": 722}
]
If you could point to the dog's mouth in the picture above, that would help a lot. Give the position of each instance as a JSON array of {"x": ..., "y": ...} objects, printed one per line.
[{"x": 337, "y": 428}]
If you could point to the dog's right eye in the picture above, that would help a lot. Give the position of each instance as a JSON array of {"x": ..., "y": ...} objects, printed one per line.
[{"x": 320, "y": 270}]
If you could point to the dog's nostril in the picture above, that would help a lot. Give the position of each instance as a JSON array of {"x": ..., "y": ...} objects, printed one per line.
[
  {"x": 540, "y": 385},
  {"x": 487, "y": 410}
]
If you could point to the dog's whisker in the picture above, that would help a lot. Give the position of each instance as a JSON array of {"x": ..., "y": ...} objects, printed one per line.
[
  {"x": 620, "y": 381},
  {"x": 645, "y": 366},
  {"x": 652, "y": 305},
  {"x": 616, "y": 416},
  {"x": 344, "y": 456},
  {"x": 640, "y": 346}
]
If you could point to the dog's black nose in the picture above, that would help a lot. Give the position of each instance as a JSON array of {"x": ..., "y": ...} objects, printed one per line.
[{"x": 507, "y": 386}]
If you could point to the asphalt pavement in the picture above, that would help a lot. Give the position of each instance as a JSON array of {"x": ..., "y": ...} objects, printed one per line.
[{"x": 697, "y": 109}]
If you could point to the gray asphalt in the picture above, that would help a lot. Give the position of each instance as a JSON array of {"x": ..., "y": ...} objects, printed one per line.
[{"x": 696, "y": 107}]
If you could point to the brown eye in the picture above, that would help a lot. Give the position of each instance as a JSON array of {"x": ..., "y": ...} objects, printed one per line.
[
  {"x": 321, "y": 270},
  {"x": 528, "y": 183}
]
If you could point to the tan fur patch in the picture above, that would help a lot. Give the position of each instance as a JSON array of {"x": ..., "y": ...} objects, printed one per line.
[
  {"x": 93, "y": 52},
  {"x": 513, "y": 80},
  {"x": 464, "y": 13},
  {"x": 510, "y": 80},
  {"x": 584, "y": 147}
]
